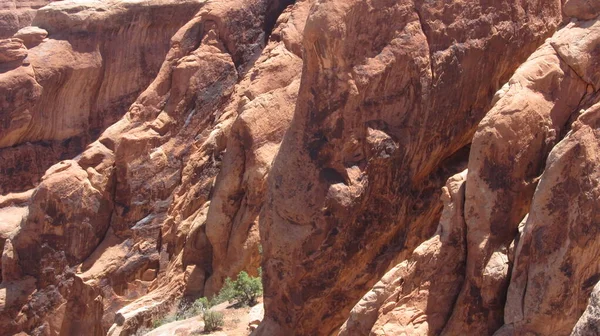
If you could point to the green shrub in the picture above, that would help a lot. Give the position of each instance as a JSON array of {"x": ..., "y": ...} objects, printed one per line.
[
  {"x": 164, "y": 320},
  {"x": 187, "y": 310},
  {"x": 203, "y": 304},
  {"x": 245, "y": 290},
  {"x": 213, "y": 320}
]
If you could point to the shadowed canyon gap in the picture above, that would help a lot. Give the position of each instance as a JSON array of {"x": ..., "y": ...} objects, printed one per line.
[{"x": 396, "y": 167}]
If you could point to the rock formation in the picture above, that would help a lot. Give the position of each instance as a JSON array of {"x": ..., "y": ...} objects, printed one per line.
[
  {"x": 17, "y": 14},
  {"x": 416, "y": 296},
  {"x": 395, "y": 167},
  {"x": 80, "y": 80},
  {"x": 128, "y": 216},
  {"x": 535, "y": 138},
  {"x": 356, "y": 183}
]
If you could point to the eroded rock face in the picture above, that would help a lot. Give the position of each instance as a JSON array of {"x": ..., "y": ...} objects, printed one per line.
[
  {"x": 335, "y": 144},
  {"x": 565, "y": 278},
  {"x": 507, "y": 156},
  {"x": 130, "y": 213},
  {"x": 559, "y": 272},
  {"x": 529, "y": 195},
  {"x": 73, "y": 85},
  {"x": 416, "y": 296},
  {"x": 268, "y": 106},
  {"x": 352, "y": 187}
]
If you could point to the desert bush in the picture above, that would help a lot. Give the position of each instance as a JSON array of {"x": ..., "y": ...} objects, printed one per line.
[
  {"x": 203, "y": 304},
  {"x": 213, "y": 320},
  {"x": 164, "y": 320},
  {"x": 245, "y": 290},
  {"x": 187, "y": 310}
]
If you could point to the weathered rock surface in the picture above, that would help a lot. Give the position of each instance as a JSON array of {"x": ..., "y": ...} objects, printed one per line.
[
  {"x": 188, "y": 140},
  {"x": 357, "y": 180},
  {"x": 12, "y": 50},
  {"x": 507, "y": 156},
  {"x": 589, "y": 322},
  {"x": 16, "y": 14},
  {"x": 556, "y": 259},
  {"x": 73, "y": 85},
  {"x": 232, "y": 219},
  {"x": 533, "y": 153},
  {"x": 129, "y": 214},
  {"x": 416, "y": 296},
  {"x": 582, "y": 9},
  {"x": 31, "y": 35}
]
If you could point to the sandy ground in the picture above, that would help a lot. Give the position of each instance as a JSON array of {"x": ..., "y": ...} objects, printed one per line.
[{"x": 236, "y": 324}]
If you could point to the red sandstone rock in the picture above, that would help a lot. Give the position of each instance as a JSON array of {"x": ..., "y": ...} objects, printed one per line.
[
  {"x": 356, "y": 184},
  {"x": 533, "y": 118},
  {"x": 416, "y": 296},
  {"x": 31, "y": 36},
  {"x": 555, "y": 261},
  {"x": 16, "y": 14},
  {"x": 80, "y": 83},
  {"x": 582, "y": 9},
  {"x": 268, "y": 101},
  {"x": 11, "y": 50},
  {"x": 507, "y": 157},
  {"x": 153, "y": 170},
  {"x": 166, "y": 203}
]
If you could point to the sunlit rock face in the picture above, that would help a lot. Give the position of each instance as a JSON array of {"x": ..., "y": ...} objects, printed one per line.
[
  {"x": 127, "y": 216},
  {"x": 395, "y": 167},
  {"x": 529, "y": 209},
  {"x": 86, "y": 63},
  {"x": 385, "y": 115}
]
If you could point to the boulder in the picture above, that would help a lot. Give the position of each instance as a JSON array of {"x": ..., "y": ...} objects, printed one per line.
[
  {"x": 12, "y": 49},
  {"x": 31, "y": 35}
]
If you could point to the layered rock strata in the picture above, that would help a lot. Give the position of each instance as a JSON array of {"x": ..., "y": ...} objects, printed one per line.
[{"x": 79, "y": 69}]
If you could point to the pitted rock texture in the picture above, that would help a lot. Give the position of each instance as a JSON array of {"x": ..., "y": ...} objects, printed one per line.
[
  {"x": 357, "y": 180},
  {"x": 529, "y": 207}
]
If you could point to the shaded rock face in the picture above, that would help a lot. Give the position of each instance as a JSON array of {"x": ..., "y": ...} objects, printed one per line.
[
  {"x": 96, "y": 61},
  {"x": 530, "y": 209},
  {"x": 416, "y": 296},
  {"x": 352, "y": 188}
]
